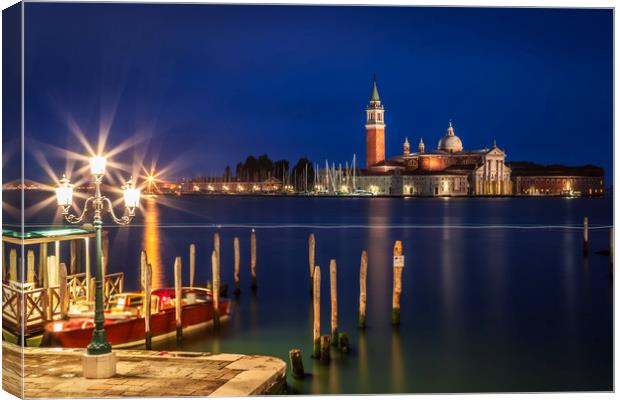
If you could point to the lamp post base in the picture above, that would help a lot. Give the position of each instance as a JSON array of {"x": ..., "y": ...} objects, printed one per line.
[{"x": 99, "y": 366}]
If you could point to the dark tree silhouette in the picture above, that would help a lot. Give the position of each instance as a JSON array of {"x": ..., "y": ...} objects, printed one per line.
[{"x": 303, "y": 175}]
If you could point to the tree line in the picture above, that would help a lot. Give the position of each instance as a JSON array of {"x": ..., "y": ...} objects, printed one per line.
[{"x": 262, "y": 168}]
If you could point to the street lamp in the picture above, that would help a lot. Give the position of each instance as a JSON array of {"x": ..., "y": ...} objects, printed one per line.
[{"x": 99, "y": 346}]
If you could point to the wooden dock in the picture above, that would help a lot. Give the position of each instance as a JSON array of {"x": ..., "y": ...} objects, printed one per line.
[{"x": 54, "y": 372}]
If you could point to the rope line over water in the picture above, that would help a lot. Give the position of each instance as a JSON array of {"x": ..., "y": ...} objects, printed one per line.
[{"x": 349, "y": 226}]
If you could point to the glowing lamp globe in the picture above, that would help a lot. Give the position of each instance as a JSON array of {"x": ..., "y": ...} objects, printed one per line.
[
  {"x": 131, "y": 195},
  {"x": 64, "y": 192},
  {"x": 97, "y": 165}
]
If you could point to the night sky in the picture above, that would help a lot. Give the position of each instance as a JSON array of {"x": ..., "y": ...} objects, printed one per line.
[{"x": 211, "y": 84}]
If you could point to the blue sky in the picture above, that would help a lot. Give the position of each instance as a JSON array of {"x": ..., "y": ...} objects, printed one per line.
[{"x": 211, "y": 84}]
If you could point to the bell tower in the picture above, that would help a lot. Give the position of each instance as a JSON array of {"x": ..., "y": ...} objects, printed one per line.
[{"x": 375, "y": 128}]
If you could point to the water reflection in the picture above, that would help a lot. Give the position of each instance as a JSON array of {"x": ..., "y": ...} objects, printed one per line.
[
  {"x": 334, "y": 376},
  {"x": 317, "y": 377},
  {"x": 469, "y": 296},
  {"x": 569, "y": 274},
  {"x": 451, "y": 269},
  {"x": 151, "y": 241},
  {"x": 379, "y": 275},
  {"x": 363, "y": 361},
  {"x": 397, "y": 367}
]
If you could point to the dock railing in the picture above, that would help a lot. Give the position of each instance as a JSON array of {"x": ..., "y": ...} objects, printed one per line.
[
  {"x": 112, "y": 284},
  {"x": 44, "y": 304},
  {"x": 78, "y": 287},
  {"x": 35, "y": 313}
]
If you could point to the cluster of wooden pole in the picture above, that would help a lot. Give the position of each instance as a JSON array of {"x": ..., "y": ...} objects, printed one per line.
[
  {"x": 322, "y": 343},
  {"x": 146, "y": 281}
]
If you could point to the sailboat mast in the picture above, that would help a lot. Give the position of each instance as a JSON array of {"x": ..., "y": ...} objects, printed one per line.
[{"x": 354, "y": 171}]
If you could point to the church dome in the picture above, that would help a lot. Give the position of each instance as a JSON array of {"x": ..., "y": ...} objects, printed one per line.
[{"x": 450, "y": 142}]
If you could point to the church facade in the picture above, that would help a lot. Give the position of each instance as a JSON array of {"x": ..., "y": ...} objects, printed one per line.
[{"x": 448, "y": 170}]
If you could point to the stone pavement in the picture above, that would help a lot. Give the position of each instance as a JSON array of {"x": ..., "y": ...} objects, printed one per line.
[{"x": 52, "y": 372}]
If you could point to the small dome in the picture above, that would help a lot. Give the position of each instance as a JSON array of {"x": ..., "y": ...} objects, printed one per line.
[{"x": 450, "y": 142}]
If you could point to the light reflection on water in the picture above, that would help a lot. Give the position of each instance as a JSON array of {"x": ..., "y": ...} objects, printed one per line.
[
  {"x": 397, "y": 367},
  {"x": 379, "y": 257},
  {"x": 151, "y": 241}
]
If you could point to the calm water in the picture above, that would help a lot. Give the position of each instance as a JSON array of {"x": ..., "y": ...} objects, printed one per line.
[{"x": 498, "y": 309}]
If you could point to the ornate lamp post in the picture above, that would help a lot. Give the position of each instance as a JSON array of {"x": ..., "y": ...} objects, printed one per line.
[{"x": 99, "y": 349}]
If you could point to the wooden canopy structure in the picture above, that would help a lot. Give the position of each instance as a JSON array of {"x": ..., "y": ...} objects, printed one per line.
[{"x": 36, "y": 293}]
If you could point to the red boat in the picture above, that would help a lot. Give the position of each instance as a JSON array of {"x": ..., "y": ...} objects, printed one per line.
[{"x": 124, "y": 318}]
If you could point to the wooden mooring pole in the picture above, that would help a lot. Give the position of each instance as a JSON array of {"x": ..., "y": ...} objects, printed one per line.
[
  {"x": 585, "y": 236},
  {"x": 325, "y": 350},
  {"x": 343, "y": 342},
  {"x": 297, "y": 365},
  {"x": 253, "y": 257},
  {"x": 316, "y": 333},
  {"x": 143, "y": 263},
  {"x": 148, "y": 278},
  {"x": 334, "y": 300},
  {"x": 237, "y": 265},
  {"x": 311, "y": 258},
  {"x": 178, "y": 294},
  {"x": 63, "y": 293},
  {"x": 215, "y": 264},
  {"x": 363, "y": 270},
  {"x": 399, "y": 263},
  {"x": 216, "y": 244},
  {"x": 192, "y": 264}
]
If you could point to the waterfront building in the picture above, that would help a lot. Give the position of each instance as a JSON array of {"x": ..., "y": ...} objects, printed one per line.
[
  {"x": 219, "y": 185},
  {"x": 531, "y": 179},
  {"x": 448, "y": 170}
]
